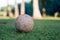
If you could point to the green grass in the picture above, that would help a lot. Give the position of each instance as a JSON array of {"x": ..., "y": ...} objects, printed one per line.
[{"x": 43, "y": 30}]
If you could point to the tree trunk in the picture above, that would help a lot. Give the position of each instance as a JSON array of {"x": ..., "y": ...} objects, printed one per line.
[
  {"x": 36, "y": 12},
  {"x": 22, "y": 7},
  {"x": 16, "y": 10},
  {"x": 9, "y": 11}
]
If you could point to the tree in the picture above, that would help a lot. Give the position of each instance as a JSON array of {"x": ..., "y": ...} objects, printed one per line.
[
  {"x": 22, "y": 7},
  {"x": 16, "y": 9},
  {"x": 9, "y": 10},
  {"x": 36, "y": 11}
]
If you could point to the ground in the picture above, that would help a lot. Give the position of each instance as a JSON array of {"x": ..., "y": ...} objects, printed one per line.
[{"x": 43, "y": 30}]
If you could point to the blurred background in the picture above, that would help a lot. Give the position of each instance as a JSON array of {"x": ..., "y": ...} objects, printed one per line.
[{"x": 47, "y": 8}]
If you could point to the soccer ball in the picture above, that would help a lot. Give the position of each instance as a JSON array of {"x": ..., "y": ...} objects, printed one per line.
[{"x": 24, "y": 23}]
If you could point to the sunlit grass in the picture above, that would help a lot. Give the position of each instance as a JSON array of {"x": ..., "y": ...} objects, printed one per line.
[{"x": 43, "y": 18}]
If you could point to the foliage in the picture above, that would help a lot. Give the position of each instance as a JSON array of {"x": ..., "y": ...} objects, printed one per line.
[
  {"x": 29, "y": 9},
  {"x": 52, "y": 6}
]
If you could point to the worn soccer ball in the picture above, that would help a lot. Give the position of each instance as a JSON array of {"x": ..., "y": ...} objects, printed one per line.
[{"x": 24, "y": 23}]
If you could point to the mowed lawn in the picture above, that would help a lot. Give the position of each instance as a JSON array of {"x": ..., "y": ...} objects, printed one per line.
[{"x": 43, "y": 30}]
